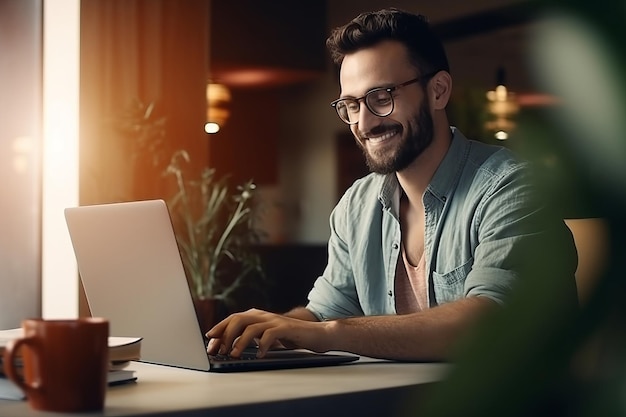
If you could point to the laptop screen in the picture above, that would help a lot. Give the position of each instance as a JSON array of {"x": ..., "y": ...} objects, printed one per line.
[{"x": 133, "y": 275}]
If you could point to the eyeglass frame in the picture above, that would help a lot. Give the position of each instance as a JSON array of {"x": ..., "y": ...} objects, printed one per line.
[{"x": 375, "y": 90}]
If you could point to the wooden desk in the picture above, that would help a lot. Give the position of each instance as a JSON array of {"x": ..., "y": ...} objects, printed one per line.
[{"x": 365, "y": 388}]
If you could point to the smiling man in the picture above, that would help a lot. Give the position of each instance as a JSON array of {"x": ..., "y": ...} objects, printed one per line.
[{"x": 438, "y": 234}]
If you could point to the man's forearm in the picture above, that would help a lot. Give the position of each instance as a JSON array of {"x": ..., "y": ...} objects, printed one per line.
[
  {"x": 301, "y": 313},
  {"x": 427, "y": 335}
]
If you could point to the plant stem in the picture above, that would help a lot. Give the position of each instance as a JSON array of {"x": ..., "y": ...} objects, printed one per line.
[{"x": 237, "y": 215}]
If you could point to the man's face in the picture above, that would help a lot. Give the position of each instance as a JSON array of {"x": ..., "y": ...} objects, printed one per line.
[{"x": 393, "y": 142}]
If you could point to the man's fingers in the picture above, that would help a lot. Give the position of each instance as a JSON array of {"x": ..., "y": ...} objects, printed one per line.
[
  {"x": 229, "y": 332},
  {"x": 235, "y": 333},
  {"x": 218, "y": 329},
  {"x": 213, "y": 346},
  {"x": 248, "y": 336},
  {"x": 268, "y": 339}
]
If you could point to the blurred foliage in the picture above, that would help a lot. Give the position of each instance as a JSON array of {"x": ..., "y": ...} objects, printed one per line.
[
  {"x": 215, "y": 226},
  {"x": 145, "y": 129},
  {"x": 530, "y": 359},
  {"x": 215, "y": 230}
]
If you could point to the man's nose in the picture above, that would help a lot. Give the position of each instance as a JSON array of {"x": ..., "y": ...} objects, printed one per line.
[{"x": 367, "y": 119}]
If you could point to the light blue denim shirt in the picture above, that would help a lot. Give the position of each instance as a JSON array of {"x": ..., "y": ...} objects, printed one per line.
[{"x": 482, "y": 219}]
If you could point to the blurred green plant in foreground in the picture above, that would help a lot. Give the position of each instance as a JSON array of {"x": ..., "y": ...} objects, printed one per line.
[{"x": 530, "y": 359}]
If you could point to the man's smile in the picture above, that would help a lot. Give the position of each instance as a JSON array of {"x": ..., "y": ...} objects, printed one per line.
[{"x": 380, "y": 138}]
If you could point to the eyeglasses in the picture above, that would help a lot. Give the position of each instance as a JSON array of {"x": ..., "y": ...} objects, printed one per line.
[{"x": 379, "y": 101}]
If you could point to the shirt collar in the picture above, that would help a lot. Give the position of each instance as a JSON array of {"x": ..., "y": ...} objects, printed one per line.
[
  {"x": 449, "y": 171},
  {"x": 445, "y": 177}
]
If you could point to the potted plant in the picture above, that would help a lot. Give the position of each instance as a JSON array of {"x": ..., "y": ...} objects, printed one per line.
[{"x": 216, "y": 234}]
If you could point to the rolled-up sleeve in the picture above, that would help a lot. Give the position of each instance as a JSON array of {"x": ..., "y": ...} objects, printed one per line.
[{"x": 334, "y": 293}]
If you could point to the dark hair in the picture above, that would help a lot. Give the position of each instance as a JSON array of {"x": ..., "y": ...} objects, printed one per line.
[{"x": 413, "y": 30}]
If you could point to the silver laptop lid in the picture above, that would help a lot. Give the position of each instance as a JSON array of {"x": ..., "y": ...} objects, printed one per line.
[{"x": 133, "y": 275}]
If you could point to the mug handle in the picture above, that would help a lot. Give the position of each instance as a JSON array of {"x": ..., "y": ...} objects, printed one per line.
[{"x": 10, "y": 353}]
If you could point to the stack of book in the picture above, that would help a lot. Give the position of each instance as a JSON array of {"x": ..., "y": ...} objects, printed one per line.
[{"x": 122, "y": 351}]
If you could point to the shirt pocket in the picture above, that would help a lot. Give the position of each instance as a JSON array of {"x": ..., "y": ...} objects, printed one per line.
[{"x": 451, "y": 285}]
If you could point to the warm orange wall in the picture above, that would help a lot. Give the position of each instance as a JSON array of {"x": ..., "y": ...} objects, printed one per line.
[
  {"x": 150, "y": 50},
  {"x": 154, "y": 51}
]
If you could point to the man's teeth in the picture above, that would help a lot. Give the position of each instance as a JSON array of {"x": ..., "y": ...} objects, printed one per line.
[{"x": 381, "y": 138}]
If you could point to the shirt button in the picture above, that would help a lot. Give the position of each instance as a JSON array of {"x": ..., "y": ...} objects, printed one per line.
[
  {"x": 395, "y": 246},
  {"x": 443, "y": 198},
  {"x": 390, "y": 293}
]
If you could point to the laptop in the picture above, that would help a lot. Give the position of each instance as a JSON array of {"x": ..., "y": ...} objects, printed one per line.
[{"x": 133, "y": 275}]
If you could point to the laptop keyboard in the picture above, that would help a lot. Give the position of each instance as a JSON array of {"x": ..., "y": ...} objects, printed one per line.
[
  {"x": 274, "y": 359},
  {"x": 227, "y": 358},
  {"x": 248, "y": 353}
]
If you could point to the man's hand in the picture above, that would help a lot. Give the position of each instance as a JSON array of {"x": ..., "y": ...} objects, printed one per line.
[
  {"x": 427, "y": 335},
  {"x": 236, "y": 332}
]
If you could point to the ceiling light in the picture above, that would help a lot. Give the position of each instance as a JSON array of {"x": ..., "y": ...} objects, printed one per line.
[
  {"x": 218, "y": 102},
  {"x": 502, "y": 106}
]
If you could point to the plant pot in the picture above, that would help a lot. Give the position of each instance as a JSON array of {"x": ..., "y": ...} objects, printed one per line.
[{"x": 209, "y": 312}]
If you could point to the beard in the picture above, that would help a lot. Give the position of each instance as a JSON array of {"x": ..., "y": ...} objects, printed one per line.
[{"x": 419, "y": 135}]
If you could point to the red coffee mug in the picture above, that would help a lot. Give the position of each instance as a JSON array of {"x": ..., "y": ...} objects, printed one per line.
[{"x": 65, "y": 363}]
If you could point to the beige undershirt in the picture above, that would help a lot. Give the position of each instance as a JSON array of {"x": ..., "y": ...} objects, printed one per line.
[{"x": 411, "y": 288}]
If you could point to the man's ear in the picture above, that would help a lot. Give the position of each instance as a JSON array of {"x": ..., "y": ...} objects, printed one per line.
[{"x": 441, "y": 89}]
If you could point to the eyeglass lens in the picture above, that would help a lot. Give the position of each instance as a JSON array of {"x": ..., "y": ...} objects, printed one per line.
[{"x": 379, "y": 102}]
